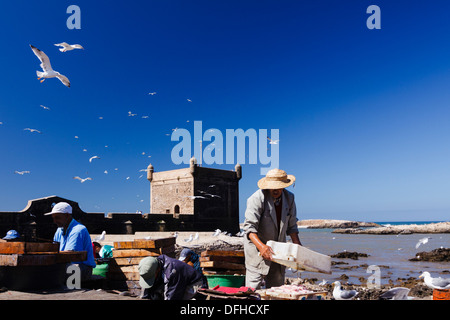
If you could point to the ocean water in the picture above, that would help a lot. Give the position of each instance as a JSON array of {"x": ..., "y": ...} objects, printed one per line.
[{"x": 389, "y": 252}]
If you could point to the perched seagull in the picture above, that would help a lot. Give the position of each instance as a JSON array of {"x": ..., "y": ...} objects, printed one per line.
[
  {"x": 272, "y": 141},
  {"x": 100, "y": 237},
  {"x": 32, "y": 130},
  {"x": 47, "y": 68},
  {"x": 191, "y": 237},
  {"x": 82, "y": 180},
  {"x": 44, "y": 107},
  {"x": 175, "y": 234},
  {"x": 196, "y": 236},
  {"x": 68, "y": 47},
  {"x": 21, "y": 172},
  {"x": 435, "y": 283},
  {"x": 340, "y": 294},
  {"x": 216, "y": 233},
  {"x": 240, "y": 233},
  {"x": 324, "y": 282},
  {"x": 422, "y": 241},
  {"x": 94, "y": 157},
  {"x": 399, "y": 293}
]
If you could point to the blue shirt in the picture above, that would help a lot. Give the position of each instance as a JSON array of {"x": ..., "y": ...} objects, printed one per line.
[{"x": 76, "y": 238}]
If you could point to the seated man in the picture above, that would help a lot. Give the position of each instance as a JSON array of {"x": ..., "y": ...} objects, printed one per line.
[
  {"x": 73, "y": 236},
  {"x": 165, "y": 278}
]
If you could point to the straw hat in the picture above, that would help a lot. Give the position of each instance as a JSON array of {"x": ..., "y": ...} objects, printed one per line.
[{"x": 276, "y": 179}]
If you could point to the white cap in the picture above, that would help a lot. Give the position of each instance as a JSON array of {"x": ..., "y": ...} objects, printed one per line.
[{"x": 61, "y": 207}]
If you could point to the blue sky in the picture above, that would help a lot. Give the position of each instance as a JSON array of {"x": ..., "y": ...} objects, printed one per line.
[{"x": 363, "y": 115}]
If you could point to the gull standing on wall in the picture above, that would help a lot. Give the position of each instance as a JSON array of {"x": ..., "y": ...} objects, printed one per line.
[{"x": 47, "y": 68}]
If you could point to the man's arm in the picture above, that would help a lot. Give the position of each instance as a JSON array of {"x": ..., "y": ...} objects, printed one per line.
[{"x": 265, "y": 251}]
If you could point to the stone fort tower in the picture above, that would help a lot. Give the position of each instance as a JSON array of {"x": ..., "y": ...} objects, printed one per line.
[{"x": 209, "y": 196}]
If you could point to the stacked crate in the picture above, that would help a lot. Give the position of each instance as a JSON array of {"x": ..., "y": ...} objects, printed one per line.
[
  {"x": 123, "y": 273},
  {"x": 222, "y": 262}
]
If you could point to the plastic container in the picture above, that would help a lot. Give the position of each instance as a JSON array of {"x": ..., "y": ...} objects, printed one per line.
[
  {"x": 299, "y": 258},
  {"x": 225, "y": 280},
  {"x": 439, "y": 294},
  {"x": 101, "y": 270}
]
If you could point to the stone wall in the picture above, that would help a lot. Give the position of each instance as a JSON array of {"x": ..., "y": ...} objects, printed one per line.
[{"x": 33, "y": 225}]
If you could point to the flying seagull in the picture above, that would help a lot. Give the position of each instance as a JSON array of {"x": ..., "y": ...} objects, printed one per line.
[
  {"x": 272, "y": 141},
  {"x": 152, "y": 93},
  {"x": 32, "y": 130},
  {"x": 44, "y": 107},
  {"x": 94, "y": 157},
  {"x": 21, "y": 172},
  {"x": 82, "y": 180},
  {"x": 340, "y": 294},
  {"x": 435, "y": 283},
  {"x": 422, "y": 241},
  {"x": 47, "y": 68},
  {"x": 67, "y": 47}
]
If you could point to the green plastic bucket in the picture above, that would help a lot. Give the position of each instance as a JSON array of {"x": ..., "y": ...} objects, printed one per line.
[
  {"x": 101, "y": 270},
  {"x": 225, "y": 280}
]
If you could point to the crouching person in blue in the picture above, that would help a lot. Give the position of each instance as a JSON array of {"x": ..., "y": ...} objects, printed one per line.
[
  {"x": 165, "y": 278},
  {"x": 73, "y": 236}
]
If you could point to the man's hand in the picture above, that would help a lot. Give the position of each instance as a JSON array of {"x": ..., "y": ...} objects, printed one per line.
[{"x": 265, "y": 251}]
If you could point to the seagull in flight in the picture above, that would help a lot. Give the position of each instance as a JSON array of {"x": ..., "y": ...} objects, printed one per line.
[
  {"x": 68, "y": 47},
  {"x": 272, "y": 141},
  {"x": 21, "y": 172},
  {"x": 44, "y": 107},
  {"x": 82, "y": 180},
  {"x": 131, "y": 114},
  {"x": 47, "y": 68},
  {"x": 422, "y": 241},
  {"x": 152, "y": 93},
  {"x": 32, "y": 130},
  {"x": 94, "y": 157},
  {"x": 189, "y": 100}
]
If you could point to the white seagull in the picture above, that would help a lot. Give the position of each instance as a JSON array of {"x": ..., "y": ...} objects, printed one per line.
[
  {"x": 435, "y": 283},
  {"x": 47, "y": 68},
  {"x": 152, "y": 93},
  {"x": 44, "y": 107},
  {"x": 216, "y": 233},
  {"x": 68, "y": 47},
  {"x": 398, "y": 293},
  {"x": 21, "y": 172},
  {"x": 422, "y": 241},
  {"x": 191, "y": 237},
  {"x": 32, "y": 130},
  {"x": 272, "y": 141},
  {"x": 82, "y": 180},
  {"x": 196, "y": 236},
  {"x": 340, "y": 294},
  {"x": 100, "y": 237},
  {"x": 94, "y": 157}
]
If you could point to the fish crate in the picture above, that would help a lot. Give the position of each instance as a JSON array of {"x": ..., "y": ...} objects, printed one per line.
[{"x": 223, "y": 267}]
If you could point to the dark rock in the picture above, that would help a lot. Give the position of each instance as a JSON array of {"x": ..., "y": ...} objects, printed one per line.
[
  {"x": 436, "y": 255},
  {"x": 349, "y": 255}
]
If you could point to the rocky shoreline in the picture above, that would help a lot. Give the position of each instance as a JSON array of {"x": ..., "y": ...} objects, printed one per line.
[
  {"x": 334, "y": 224},
  {"x": 360, "y": 227},
  {"x": 439, "y": 227}
]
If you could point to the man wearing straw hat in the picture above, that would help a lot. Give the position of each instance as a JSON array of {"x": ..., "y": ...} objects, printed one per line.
[{"x": 271, "y": 214}]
